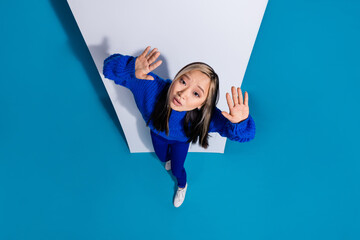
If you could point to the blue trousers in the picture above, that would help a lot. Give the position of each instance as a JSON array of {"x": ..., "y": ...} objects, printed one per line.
[{"x": 172, "y": 150}]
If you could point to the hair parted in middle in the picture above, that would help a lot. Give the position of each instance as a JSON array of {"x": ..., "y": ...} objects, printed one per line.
[{"x": 197, "y": 121}]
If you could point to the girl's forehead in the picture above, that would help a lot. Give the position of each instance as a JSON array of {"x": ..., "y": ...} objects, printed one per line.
[
  {"x": 199, "y": 79},
  {"x": 197, "y": 76}
]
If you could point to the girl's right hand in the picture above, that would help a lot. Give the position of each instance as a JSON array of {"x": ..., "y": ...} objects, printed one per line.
[{"x": 145, "y": 64}]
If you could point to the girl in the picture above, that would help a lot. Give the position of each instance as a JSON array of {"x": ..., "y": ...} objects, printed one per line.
[{"x": 180, "y": 111}]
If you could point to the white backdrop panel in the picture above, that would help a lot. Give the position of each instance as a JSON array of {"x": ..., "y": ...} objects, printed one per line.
[{"x": 220, "y": 33}]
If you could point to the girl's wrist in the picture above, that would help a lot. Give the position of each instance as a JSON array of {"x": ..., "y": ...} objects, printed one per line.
[{"x": 241, "y": 120}]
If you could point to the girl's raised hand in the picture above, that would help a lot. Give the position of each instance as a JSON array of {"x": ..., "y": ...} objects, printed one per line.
[
  {"x": 239, "y": 109},
  {"x": 145, "y": 64}
]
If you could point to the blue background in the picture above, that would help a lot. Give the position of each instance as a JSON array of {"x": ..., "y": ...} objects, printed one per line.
[{"x": 66, "y": 171}]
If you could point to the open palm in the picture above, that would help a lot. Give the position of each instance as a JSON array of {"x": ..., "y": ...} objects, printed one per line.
[
  {"x": 146, "y": 63},
  {"x": 239, "y": 109}
]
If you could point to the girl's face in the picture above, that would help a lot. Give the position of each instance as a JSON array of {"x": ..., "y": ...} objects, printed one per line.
[{"x": 189, "y": 91}]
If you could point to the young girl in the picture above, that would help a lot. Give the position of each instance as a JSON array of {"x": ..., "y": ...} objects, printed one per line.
[{"x": 180, "y": 111}]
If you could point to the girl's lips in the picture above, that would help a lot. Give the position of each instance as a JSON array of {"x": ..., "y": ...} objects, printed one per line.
[{"x": 176, "y": 102}]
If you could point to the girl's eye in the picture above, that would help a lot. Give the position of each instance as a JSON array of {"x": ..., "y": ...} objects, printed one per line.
[
  {"x": 182, "y": 81},
  {"x": 196, "y": 94}
]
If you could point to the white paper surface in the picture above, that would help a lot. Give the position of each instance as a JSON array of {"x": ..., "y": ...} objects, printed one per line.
[{"x": 219, "y": 33}]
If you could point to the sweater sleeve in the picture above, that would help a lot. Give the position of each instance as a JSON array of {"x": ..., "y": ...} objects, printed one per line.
[
  {"x": 243, "y": 131},
  {"x": 118, "y": 68}
]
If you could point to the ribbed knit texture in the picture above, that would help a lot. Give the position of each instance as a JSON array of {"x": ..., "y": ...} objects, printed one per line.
[{"x": 121, "y": 69}]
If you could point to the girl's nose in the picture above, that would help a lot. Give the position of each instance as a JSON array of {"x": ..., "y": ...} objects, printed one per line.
[{"x": 184, "y": 93}]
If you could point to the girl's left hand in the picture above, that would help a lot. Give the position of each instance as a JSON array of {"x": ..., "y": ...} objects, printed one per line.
[{"x": 239, "y": 109}]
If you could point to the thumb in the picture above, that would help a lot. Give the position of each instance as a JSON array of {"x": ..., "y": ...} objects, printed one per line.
[
  {"x": 226, "y": 115},
  {"x": 149, "y": 77}
]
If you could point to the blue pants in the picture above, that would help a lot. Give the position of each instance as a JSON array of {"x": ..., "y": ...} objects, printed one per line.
[{"x": 172, "y": 150}]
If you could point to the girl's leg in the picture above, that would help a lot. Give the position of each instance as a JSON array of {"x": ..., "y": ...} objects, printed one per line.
[
  {"x": 178, "y": 154},
  {"x": 161, "y": 147}
]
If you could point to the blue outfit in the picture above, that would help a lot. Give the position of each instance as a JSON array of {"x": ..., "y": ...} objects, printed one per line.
[
  {"x": 176, "y": 151},
  {"x": 121, "y": 69}
]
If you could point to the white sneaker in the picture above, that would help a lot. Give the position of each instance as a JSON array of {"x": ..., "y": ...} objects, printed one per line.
[
  {"x": 168, "y": 165},
  {"x": 180, "y": 196}
]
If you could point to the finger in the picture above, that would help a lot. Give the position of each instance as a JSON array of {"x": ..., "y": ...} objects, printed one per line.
[
  {"x": 145, "y": 52},
  {"x": 234, "y": 95},
  {"x": 153, "y": 57},
  {"x": 155, "y": 65},
  {"x": 240, "y": 96},
  {"x": 229, "y": 102},
  {"x": 246, "y": 99},
  {"x": 151, "y": 53}
]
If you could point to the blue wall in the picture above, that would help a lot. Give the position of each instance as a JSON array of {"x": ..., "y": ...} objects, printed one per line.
[{"x": 66, "y": 171}]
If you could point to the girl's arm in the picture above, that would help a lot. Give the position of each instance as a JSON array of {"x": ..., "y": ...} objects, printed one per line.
[
  {"x": 129, "y": 72},
  {"x": 238, "y": 125},
  {"x": 118, "y": 67},
  {"x": 126, "y": 70},
  {"x": 243, "y": 131}
]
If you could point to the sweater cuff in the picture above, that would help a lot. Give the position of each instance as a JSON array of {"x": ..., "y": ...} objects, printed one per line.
[
  {"x": 118, "y": 65},
  {"x": 237, "y": 127},
  {"x": 243, "y": 131}
]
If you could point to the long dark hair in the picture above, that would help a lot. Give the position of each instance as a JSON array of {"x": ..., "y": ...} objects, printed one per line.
[{"x": 197, "y": 121}]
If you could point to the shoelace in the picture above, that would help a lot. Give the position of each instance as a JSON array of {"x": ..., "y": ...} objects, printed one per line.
[{"x": 181, "y": 192}]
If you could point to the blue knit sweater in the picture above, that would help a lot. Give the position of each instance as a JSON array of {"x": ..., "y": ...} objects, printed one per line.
[{"x": 121, "y": 69}]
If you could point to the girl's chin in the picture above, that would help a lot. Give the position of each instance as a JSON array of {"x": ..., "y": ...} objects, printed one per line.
[{"x": 176, "y": 108}]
